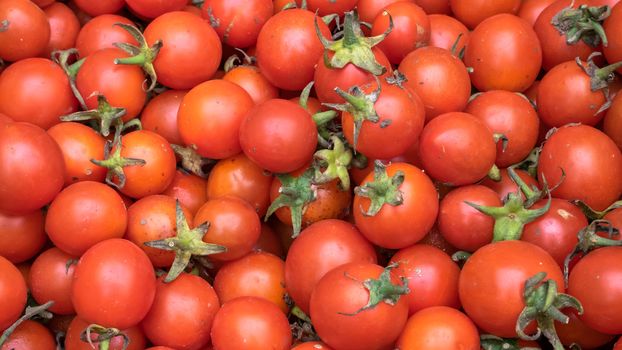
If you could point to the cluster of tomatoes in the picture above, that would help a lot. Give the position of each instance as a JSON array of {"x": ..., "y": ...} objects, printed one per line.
[{"x": 320, "y": 174}]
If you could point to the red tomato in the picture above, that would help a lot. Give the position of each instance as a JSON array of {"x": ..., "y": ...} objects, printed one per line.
[
  {"x": 577, "y": 332},
  {"x": 96, "y": 8},
  {"x": 210, "y": 116},
  {"x": 438, "y": 328},
  {"x": 78, "y": 325},
  {"x": 51, "y": 275},
  {"x": 472, "y": 13},
  {"x": 369, "y": 9},
  {"x": 31, "y": 168},
  {"x": 12, "y": 293},
  {"x": 444, "y": 32},
  {"x": 64, "y": 28},
  {"x": 101, "y": 33},
  {"x": 253, "y": 82},
  {"x": 182, "y": 313},
  {"x": 506, "y": 185},
  {"x": 251, "y": 323},
  {"x": 25, "y": 30},
  {"x": 613, "y": 28},
  {"x": 23, "y": 99},
  {"x": 21, "y": 236},
  {"x": 30, "y": 335},
  {"x": 530, "y": 10},
  {"x": 160, "y": 115},
  {"x": 318, "y": 249},
  {"x": 237, "y": 22},
  {"x": 612, "y": 124},
  {"x": 269, "y": 242},
  {"x": 120, "y": 277},
  {"x": 189, "y": 189},
  {"x": 504, "y": 52},
  {"x": 311, "y": 345},
  {"x": 435, "y": 6},
  {"x": 327, "y": 7},
  {"x": 581, "y": 164},
  {"x": 154, "y": 8}
]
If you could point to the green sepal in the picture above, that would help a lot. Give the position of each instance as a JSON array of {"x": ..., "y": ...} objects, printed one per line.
[
  {"x": 600, "y": 78},
  {"x": 105, "y": 114},
  {"x": 335, "y": 162},
  {"x": 582, "y": 23},
  {"x": 595, "y": 214},
  {"x": 115, "y": 163},
  {"x": 61, "y": 57},
  {"x": 141, "y": 55},
  {"x": 191, "y": 161},
  {"x": 383, "y": 190}
]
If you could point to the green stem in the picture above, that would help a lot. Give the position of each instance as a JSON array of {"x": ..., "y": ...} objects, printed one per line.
[
  {"x": 382, "y": 190},
  {"x": 28, "y": 314}
]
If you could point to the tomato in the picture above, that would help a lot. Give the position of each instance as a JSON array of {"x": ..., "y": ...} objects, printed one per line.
[
  {"x": 327, "y": 7},
  {"x": 21, "y": 236},
  {"x": 612, "y": 123},
  {"x": 239, "y": 176},
  {"x": 151, "y": 218},
  {"x": 530, "y": 10},
  {"x": 84, "y": 214},
  {"x": 30, "y": 335},
  {"x": 613, "y": 28},
  {"x": 511, "y": 115},
  {"x": 444, "y": 32},
  {"x": 431, "y": 274},
  {"x": 438, "y": 328},
  {"x": 23, "y": 99},
  {"x": 595, "y": 282},
  {"x": 269, "y": 242},
  {"x": 311, "y": 345},
  {"x": 369, "y": 9},
  {"x": 182, "y": 313},
  {"x": 506, "y": 185},
  {"x": 161, "y": 113},
  {"x": 101, "y": 33},
  {"x": 411, "y": 30},
  {"x": 79, "y": 145},
  {"x": 119, "y": 275},
  {"x": 288, "y": 48},
  {"x": 12, "y": 293},
  {"x": 191, "y": 51},
  {"x": 463, "y": 226},
  {"x": 492, "y": 282},
  {"x": 78, "y": 325},
  {"x": 64, "y": 28},
  {"x": 401, "y": 225},
  {"x": 210, "y": 115},
  {"x": 96, "y": 8},
  {"x": 439, "y": 78},
  {"x": 247, "y": 323},
  {"x": 51, "y": 275},
  {"x": 435, "y": 6},
  {"x": 27, "y": 32},
  {"x": 43, "y": 3},
  {"x": 472, "y": 13},
  {"x": 253, "y": 82},
  {"x": 342, "y": 312},
  {"x": 233, "y": 223},
  {"x": 577, "y": 332},
  {"x": 154, "y": 8},
  {"x": 278, "y": 135},
  {"x": 581, "y": 163},
  {"x": 31, "y": 168},
  {"x": 457, "y": 148},
  {"x": 505, "y": 54},
  {"x": 189, "y": 189},
  {"x": 237, "y": 22}
]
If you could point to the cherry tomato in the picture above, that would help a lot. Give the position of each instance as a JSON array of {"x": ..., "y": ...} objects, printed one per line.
[
  {"x": 12, "y": 293},
  {"x": 506, "y": 185},
  {"x": 577, "y": 332},
  {"x": 444, "y": 32},
  {"x": 30, "y": 335},
  {"x": 311, "y": 345},
  {"x": 96, "y": 8},
  {"x": 154, "y": 8},
  {"x": 613, "y": 28},
  {"x": 25, "y": 30},
  {"x": 64, "y": 28},
  {"x": 530, "y": 10},
  {"x": 612, "y": 124},
  {"x": 189, "y": 189},
  {"x": 369, "y": 9},
  {"x": 253, "y": 82},
  {"x": 21, "y": 236},
  {"x": 51, "y": 275},
  {"x": 101, "y": 33},
  {"x": 269, "y": 242},
  {"x": 327, "y": 7},
  {"x": 160, "y": 115},
  {"x": 472, "y": 13},
  {"x": 237, "y": 22},
  {"x": 78, "y": 325},
  {"x": 435, "y": 6}
]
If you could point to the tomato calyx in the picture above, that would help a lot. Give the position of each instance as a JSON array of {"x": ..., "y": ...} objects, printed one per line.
[
  {"x": 30, "y": 312},
  {"x": 397, "y": 78},
  {"x": 599, "y": 77},
  {"x": 191, "y": 161},
  {"x": 105, "y": 114},
  {"x": 142, "y": 55},
  {"x": 71, "y": 70},
  {"x": 234, "y": 61},
  {"x": 382, "y": 290},
  {"x": 594, "y": 214},
  {"x": 104, "y": 335},
  {"x": 321, "y": 119},
  {"x": 335, "y": 163},
  {"x": 543, "y": 305},
  {"x": 115, "y": 162},
  {"x": 492, "y": 342},
  {"x": 353, "y": 47},
  {"x": 185, "y": 244},
  {"x": 582, "y": 23},
  {"x": 295, "y": 192},
  {"x": 383, "y": 190}
]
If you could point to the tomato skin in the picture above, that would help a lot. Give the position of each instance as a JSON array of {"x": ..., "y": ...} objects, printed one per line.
[
  {"x": 613, "y": 51},
  {"x": 288, "y": 37},
  {"x": 21, "y": 236},
  {"x": 318, "y": 249},
  {"x": 530, "y": 10},
  {"x": 472, "y": 13},
  {"x": 432, "y": 277},
  {"x": 210, "y": 116},
  {"x": 182, "y": 314},
  {"x": 435, "y": 6},
  {"x": 312, "y": 345},
  {"x": 369, "y": 9},
  {"x": 439, "y": 78},
  {"x": 338, "y": 296},
  {"x": 161, "y": 113},
  {"x": 64, "y": 28},
  {"x": 12, "y": 293},
  {"x": 278, "y": 135},
  {"x": 189, "y": 189},
  {"x": 23, "y": 99},
  {"x": 77, "y": 325},
  {"x": 30, "y": 335},
  {"x": 96, "y": 8},
  {"x": 238, "y": 21},
  {"x": 253, "y": 82},
  {"x": 581, "y": 163},
  {"x": 153, "y": 8},
  {"x": 505, "y": 54},
  {"x": 100, "y": 33},
  {"x": 31, "y": 168},
  {"x": 50, "y": 278},
  {"x": 191, "y": 52},
  {"x": 439, "y": 328},
  {"x": 577, "y": 332},
  {"x": 506, "y": 185},
  {"x": 269, "y": 242},
  {"x": 400, "y": 226},
  {"x": 444, "y": 31},
  {"x": 251, "y": 323},
  {"x": 492, "y": 282},
  {"x": 28, "y": 32},
  {"x": 119, "y": 275},
  {"x": 612, "y": 123},
  {"x": 326, "y": 7}
]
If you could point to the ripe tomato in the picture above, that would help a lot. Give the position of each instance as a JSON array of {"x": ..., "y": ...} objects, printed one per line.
[
  {"x": 505, "y": 54},
  {"x": 457, "y": 148},
  {"x": 210, "y": 115},
  {"x": 191, "y": 51},
  {"x": 23, "y": 99},
  {"x": 64, "y": 27},
  {"x": 530, "y": 10},
  {"x": 101, "y": 33},
  {"x": 506, "y": 185},
  {"x": 247, "y": 323},
  {"x": 51, "y": 275},
  {"x": 253, "y": 82},
  {"x": 318, "y": 249},
  {"x": 189, "y": 189},
  {"x": 492, "y": 282},
  {"x": 312, "y": 345},
  {"x": 30, "y": 335},
  {"x": 182, "y": 314},
  {"x": 120, "y": 277},
  {"x": 278, "y": 135},
  {"x": 269, "y": 242},
  {"x": 12, "y": 293},
  {"x": 581, "y": 163},
  {"x": 444, "y": 32},
  {"x": 160, "y": 115},
  {"x": 154, "y": 8},
  {"x": 472, "y": 13},
  {"x": 84, "y": 214},
  {"x": 341, "y": 312},
  {"x": 612, "y": 124},
  {"x": 96, "y": 8},
  {"x": 78, "y": 325},
  {"x": 369, "y": 9},
  {"x": 25, "y": 30},
  {"x": 327, "y": 7},
  {"x": 435, "y": 6},
  {"x": 577, "y": 332},
  {"x": 21, "y": 236},
  {"x": 237, "y": 22},
  {"x": 613, "y": 28},
  {"x": 437, "y": 328},
  {"x": 31, "y": 168}
]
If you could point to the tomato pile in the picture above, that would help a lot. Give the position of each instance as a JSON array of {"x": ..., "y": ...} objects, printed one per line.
[{"x": 319, "y": 174}]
